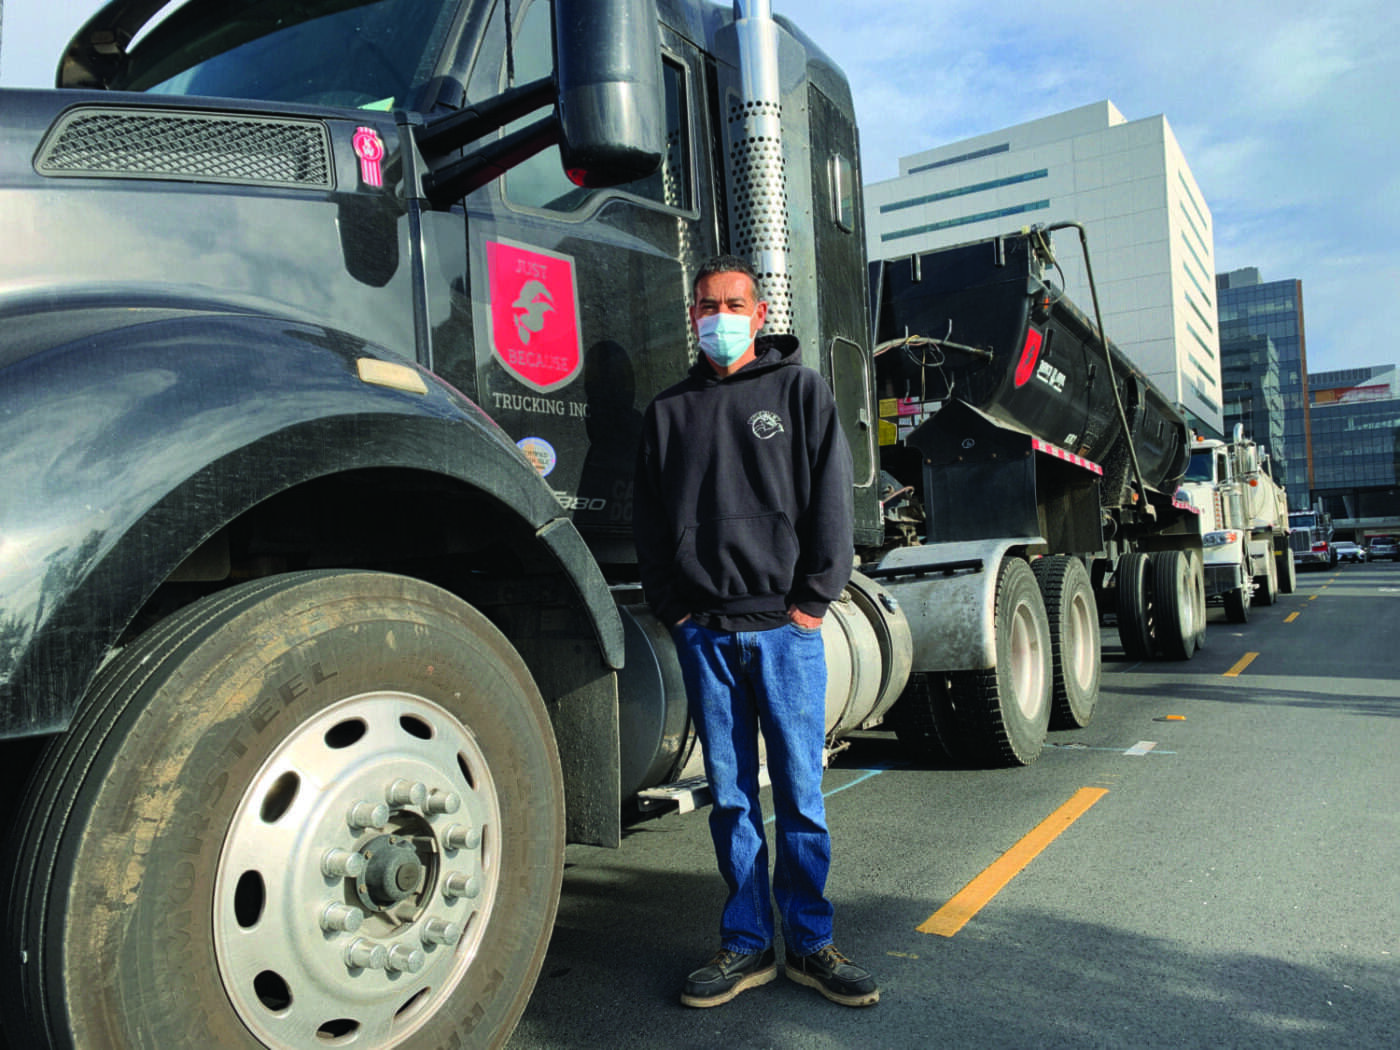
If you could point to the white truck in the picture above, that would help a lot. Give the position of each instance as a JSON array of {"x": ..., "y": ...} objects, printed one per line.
[{"x": 1244, "y": 524}]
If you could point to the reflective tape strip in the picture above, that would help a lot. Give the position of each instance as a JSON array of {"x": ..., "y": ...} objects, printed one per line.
[{"x": 1067, "y": 456}]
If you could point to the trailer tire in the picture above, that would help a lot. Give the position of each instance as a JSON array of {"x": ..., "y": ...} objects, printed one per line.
[
  {"x": 1134, "y": 583},
  {"x": 1266, "y": 583},
  {"x": 185, "y": 877},
  {"x": 925, "y": 722},
  {"x": 1175, "y": 620},
  {"x": 1198, "y": 596},
  {"x": 1074, "y": 639},
  {"x": 1287, "y": 571},
  {"x": 1004, "y": 711}
]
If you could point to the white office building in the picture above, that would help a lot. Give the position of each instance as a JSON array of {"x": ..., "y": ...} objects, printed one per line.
[{"x": 1150, "y": 233}]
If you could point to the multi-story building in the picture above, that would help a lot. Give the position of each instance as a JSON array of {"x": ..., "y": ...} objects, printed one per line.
[
  {"x": 1150, "y": 233},
  {"x": 1356, "y": 448},
  {"x": 1249, "y": 372},
  {"x": 1251, "y": 308}
]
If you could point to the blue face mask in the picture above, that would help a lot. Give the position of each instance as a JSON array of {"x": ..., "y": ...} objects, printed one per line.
[{"x": 724, "y": 337}]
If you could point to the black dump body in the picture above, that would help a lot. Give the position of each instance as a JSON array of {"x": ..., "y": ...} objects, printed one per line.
[{"x": 1007, "y": 343}]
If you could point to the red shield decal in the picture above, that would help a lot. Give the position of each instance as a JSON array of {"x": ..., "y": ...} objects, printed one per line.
[{"x": 534, "y": 314}]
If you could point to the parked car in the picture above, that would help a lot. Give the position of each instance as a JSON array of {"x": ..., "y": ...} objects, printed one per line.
[
  {"x": 1348, "y": 551},
  {"x": 1384, "y": 548}
]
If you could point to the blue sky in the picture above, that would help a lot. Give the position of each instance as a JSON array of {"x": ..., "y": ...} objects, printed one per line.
[{"x": 1286, "y": 112}]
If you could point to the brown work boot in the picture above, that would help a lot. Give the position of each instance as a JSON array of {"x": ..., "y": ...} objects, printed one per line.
[
  {"x": 728, "y": 974},
  {"x": 835, "y": 976}
]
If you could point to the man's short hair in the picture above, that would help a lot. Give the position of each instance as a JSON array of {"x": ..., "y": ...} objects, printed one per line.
[{"x": 727, "y": 264}]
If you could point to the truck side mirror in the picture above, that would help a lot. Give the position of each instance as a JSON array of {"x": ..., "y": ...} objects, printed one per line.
[{"x": 608, "y": 70}]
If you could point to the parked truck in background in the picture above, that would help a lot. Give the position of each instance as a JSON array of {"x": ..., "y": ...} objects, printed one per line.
[
  {"x": 327, "y": 332},
  {"x": 1310, "y": 538},
  {"x": 1244, "y": 515}
]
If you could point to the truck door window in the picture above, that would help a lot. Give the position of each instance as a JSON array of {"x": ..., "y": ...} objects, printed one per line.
[{"x": 540, "y": 181}]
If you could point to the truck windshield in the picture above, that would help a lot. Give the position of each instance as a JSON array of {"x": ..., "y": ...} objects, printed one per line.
[
  {"x": 370, "y": 53},
  {"x": 1202, "y": 466}
]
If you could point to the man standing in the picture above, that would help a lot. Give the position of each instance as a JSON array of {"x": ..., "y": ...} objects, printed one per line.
[{"x": 742, "y": 517}]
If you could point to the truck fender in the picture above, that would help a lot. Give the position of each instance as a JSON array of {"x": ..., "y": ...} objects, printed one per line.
[
  {"x": 135, "y": 444},
  {"x": 948, "y": 594}
]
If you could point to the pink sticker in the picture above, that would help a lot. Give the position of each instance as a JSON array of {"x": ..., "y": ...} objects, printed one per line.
[{"x": 369, "y": 147}]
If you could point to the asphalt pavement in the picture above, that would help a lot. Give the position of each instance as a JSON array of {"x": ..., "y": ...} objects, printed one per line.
[{"x": 1229, "y": 875}]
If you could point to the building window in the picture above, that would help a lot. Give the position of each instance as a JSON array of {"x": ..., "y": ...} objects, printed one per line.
[
  {"x": 962, "y": 191},
  {"x": 974, "y": 155},
  {"x": 966, "y": 220}
]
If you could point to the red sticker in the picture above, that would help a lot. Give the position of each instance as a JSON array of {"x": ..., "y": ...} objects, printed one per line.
[
  {"x": 1026, "y": 368},
  {"x": 369, "y": 147},
  {"x": 534, "y": 314}
]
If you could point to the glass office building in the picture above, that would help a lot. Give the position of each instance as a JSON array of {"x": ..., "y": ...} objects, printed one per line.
[
  {"x": 1249, "y": 372},
  {"x": 1250, "y": 308},
  {"x": 1356, "y": 447}
]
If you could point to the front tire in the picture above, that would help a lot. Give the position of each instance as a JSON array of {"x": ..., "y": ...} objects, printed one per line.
[{"x": 315, "y": 810}]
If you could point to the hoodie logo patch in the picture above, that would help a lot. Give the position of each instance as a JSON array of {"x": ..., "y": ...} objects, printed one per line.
[{"x": 765, "y": 424}]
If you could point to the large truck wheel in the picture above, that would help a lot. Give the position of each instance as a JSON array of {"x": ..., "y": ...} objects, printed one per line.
[
  {"x": 1287, "y": 572},
  {"x": 1198, "y": 595},
  {"x": 1174, "y": 593},
  {"x": 1005, "y": 710},
  {"x": 1135, "y": 605},
  {"x": 1266, "y": 584},
  {"x": 318, "y": 810},
  {"x": 1074, "y": 639},
  {"x": 924, "y": 720}
]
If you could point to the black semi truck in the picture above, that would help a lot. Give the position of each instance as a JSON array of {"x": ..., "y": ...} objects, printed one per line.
[{"x": 327, "y": 328}]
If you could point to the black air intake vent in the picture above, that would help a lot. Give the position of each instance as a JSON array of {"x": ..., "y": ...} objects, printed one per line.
[{"x": 195, "y": 147}]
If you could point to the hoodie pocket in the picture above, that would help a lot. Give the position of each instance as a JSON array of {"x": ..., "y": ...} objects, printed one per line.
[{"x": 748, "y": 555}]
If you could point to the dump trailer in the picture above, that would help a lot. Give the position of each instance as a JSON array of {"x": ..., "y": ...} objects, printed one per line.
[
  {"x": 1244, "y": 520},
  {"x": 1022, "y": 444}
]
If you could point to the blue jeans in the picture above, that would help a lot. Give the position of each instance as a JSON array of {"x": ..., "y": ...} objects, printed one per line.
[{"x": 736, "y": 683}]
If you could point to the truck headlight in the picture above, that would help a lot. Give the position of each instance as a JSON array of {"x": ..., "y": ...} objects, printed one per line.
[{"x": 1219, "y": 539}]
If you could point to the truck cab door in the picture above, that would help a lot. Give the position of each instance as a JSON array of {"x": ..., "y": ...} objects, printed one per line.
[{"x": 578, "y": 297}]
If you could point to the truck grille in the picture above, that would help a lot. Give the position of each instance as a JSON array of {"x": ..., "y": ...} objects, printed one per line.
[{"x": 185, "y": 146}]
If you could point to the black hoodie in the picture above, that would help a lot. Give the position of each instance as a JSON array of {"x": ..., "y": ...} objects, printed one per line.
[{"x": 743, "y": 494}]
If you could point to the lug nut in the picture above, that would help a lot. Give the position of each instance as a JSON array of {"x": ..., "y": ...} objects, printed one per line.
[
  {"x": 404, "y": 959},
  {"x": 366, "y": 955},
  {"x": 440, "y": 931},
  {"x": 406, "y": 793},
  {"x": 342, "y": 864},
  {"x": 368, "y": 815},
  {"x": 459, "y": 885},
  {"x": 459, "y": 836},
  {"x": 444, "y": 801},
  {"x": 341, "y": 918}
]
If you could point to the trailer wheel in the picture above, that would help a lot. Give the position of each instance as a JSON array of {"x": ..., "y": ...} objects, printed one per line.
[
  {"x": 1175, "y": 620},
  {"x": 924, "y": 720},
  {"x": 1005, "y": 710},
  {"x": 1135, "y": 605},
  {"x": 1198, "y": 596},
  {"x": 318, "y": 810},
  {"x": 1287, "y": 571},
  {"x": 1074, "y": 639},
  {"x": 1266, "y": 583}
]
